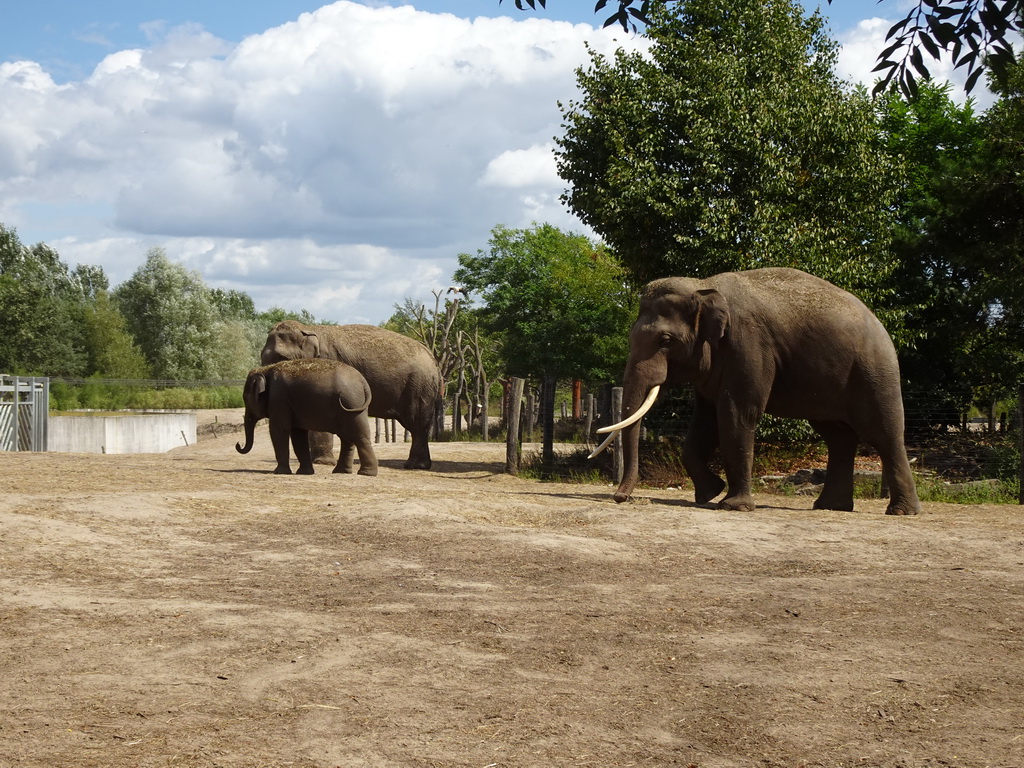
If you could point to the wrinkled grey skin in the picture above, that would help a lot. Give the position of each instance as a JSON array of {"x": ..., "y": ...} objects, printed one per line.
[
  {"x": 302, "y": 395},
  {"x": 402, "y": 374},
  {"x": 775, "y": 341}
]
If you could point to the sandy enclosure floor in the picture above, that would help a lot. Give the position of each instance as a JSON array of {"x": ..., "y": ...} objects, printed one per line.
[{"x": 192, "y": 609}]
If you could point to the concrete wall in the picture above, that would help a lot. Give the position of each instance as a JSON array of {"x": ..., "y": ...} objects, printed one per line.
[{"x": 128, "y": 432}]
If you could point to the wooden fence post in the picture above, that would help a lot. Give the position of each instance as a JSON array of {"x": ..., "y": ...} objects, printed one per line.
[
  {"x": 590, "y": 416},
  {"x": 512, "y": 446},
  {"x": 617, "y": 417},
  {"x": 1020, "y": 426}
]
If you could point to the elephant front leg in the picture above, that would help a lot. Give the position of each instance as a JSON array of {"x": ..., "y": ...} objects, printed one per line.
[
  {"x": 300, "y": 442},
  {"x": 736, "y": 433},
  {"x": 701, "y": 441},
  {"x": 279, "y": 433}
]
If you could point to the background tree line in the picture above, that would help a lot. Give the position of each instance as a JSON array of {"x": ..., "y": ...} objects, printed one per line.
[{"x": 162, "y": 323}]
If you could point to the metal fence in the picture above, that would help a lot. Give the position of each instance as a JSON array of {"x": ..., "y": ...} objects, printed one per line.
[{"x": 24, "y": 413}]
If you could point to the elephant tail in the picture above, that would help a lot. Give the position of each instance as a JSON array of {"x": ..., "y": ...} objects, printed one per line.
[{"x": 367, "y": 396}]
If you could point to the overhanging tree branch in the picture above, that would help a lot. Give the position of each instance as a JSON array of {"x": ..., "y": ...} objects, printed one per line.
[{"x": 977, "y": 34}]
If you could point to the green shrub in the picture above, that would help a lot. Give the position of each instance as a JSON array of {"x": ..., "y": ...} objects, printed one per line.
[
  {"x": 95, "y": 395},
  {"x": 63, "y": 396}
]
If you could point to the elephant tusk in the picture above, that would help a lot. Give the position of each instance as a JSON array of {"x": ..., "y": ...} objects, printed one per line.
[
  {"x": 645, "y": 406},
  {"x": 602, "y": 446}
]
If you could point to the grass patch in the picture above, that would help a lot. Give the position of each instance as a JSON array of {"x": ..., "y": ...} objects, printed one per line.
[
  {"x": 570, "y": 466},
  {"x": 987, "y": 491}
]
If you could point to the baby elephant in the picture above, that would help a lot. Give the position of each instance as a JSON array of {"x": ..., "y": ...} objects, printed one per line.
[{"x": 299, "y": 396}]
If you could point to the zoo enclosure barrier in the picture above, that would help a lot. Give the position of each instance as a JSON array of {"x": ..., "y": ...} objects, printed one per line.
[{"x": 24, "y": 413}]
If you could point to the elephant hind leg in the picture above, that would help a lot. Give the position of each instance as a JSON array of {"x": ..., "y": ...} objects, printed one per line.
[
  {"x": 345, "y": 463},
  {"x": 701, "y": 441},
  {"x": 885, "y": 434},
  {"x": 419, "y": 452},
  {"x": 899, "y": 479},
  {"x": 841, "y": 440}
]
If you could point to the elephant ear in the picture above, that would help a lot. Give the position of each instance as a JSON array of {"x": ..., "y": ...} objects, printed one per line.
[
  {"x": 712, "y": 318},
  {"x": 258, "y": 384},
  {"x": 310, "y": 344}
]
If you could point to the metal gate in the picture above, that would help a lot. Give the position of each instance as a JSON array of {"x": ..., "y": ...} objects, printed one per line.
[{"x": 24, "y": 413}]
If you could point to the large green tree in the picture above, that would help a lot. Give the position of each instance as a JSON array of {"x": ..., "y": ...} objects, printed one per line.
[
  {"x": 172, "y": 317},
  {"x": 558, "y": 303},
  {"x": 731, "y": 145},
  {"x": 41, "y": 301},
  {"x": 980, "y": 233},
  {"x": 936, "y": 139}
]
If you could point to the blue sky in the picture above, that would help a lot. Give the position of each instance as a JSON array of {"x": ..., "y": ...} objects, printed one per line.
[{"x": 330, "y": 157}]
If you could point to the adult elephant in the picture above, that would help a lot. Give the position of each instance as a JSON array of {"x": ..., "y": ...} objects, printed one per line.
[
  {"x": 775, "y": 341},
  {"x": 401, "y": 372}
]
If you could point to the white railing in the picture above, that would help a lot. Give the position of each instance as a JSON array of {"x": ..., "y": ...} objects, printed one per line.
[{"x": 24, "y": 413}]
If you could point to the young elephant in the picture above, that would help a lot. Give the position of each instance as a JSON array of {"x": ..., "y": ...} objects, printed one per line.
[{"x": 303, "y": 395}]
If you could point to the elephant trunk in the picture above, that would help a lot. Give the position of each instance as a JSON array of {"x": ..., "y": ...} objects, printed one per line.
[
  {"x": 630, "y": 462},
  {"x": 250, "y": 429},
  {"x": 640, "y": 389}
]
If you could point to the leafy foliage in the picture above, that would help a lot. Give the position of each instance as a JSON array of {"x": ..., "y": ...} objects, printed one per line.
[
  {"x": 976, "y": 34},
  {"x": 172, "y": 316},
  {"x": 41, "y": 301},
  {"x": 558, "y": 303},
  {"x": 732, "y": 145},
  {"x": 934, "y": 137},
  {"x": 110, "y": 348},
  {"x": 163, "y": 322},
  {"x": 981, "y": 231}
]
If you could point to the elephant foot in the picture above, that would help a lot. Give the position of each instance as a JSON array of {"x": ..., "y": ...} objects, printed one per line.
[
  {"x": 902, "y": 509},
  {"x": 707, "y": 490},
  {"x": 326, "y": 458},
  {"x": 343, "y": 470},
  {"x": 282, "y": 470},
  {"x": 836, "y": 505},
  {"x": 305, "y": 470},
  {"x": 418, "y": 464},
  {"x": 620, "y": 497},
  {"x": 368, "y": 471},
  {"x": 740, "y": 503}
]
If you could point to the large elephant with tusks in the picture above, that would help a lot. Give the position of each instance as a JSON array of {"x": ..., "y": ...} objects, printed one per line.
[
  {"x": 776, "y": 341},
  {"x": 403, "y": 376}
]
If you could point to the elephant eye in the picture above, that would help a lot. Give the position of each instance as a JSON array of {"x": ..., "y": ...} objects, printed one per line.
[{"x": 665, "y": 340}]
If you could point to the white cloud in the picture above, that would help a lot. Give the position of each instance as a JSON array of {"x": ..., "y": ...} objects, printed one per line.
[
  {"x": 355, "y": 145},
  {"x": 515, "y": 168}
]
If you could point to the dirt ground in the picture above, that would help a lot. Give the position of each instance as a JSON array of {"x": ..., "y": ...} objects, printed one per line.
[{"x": 192, "y": 609}]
